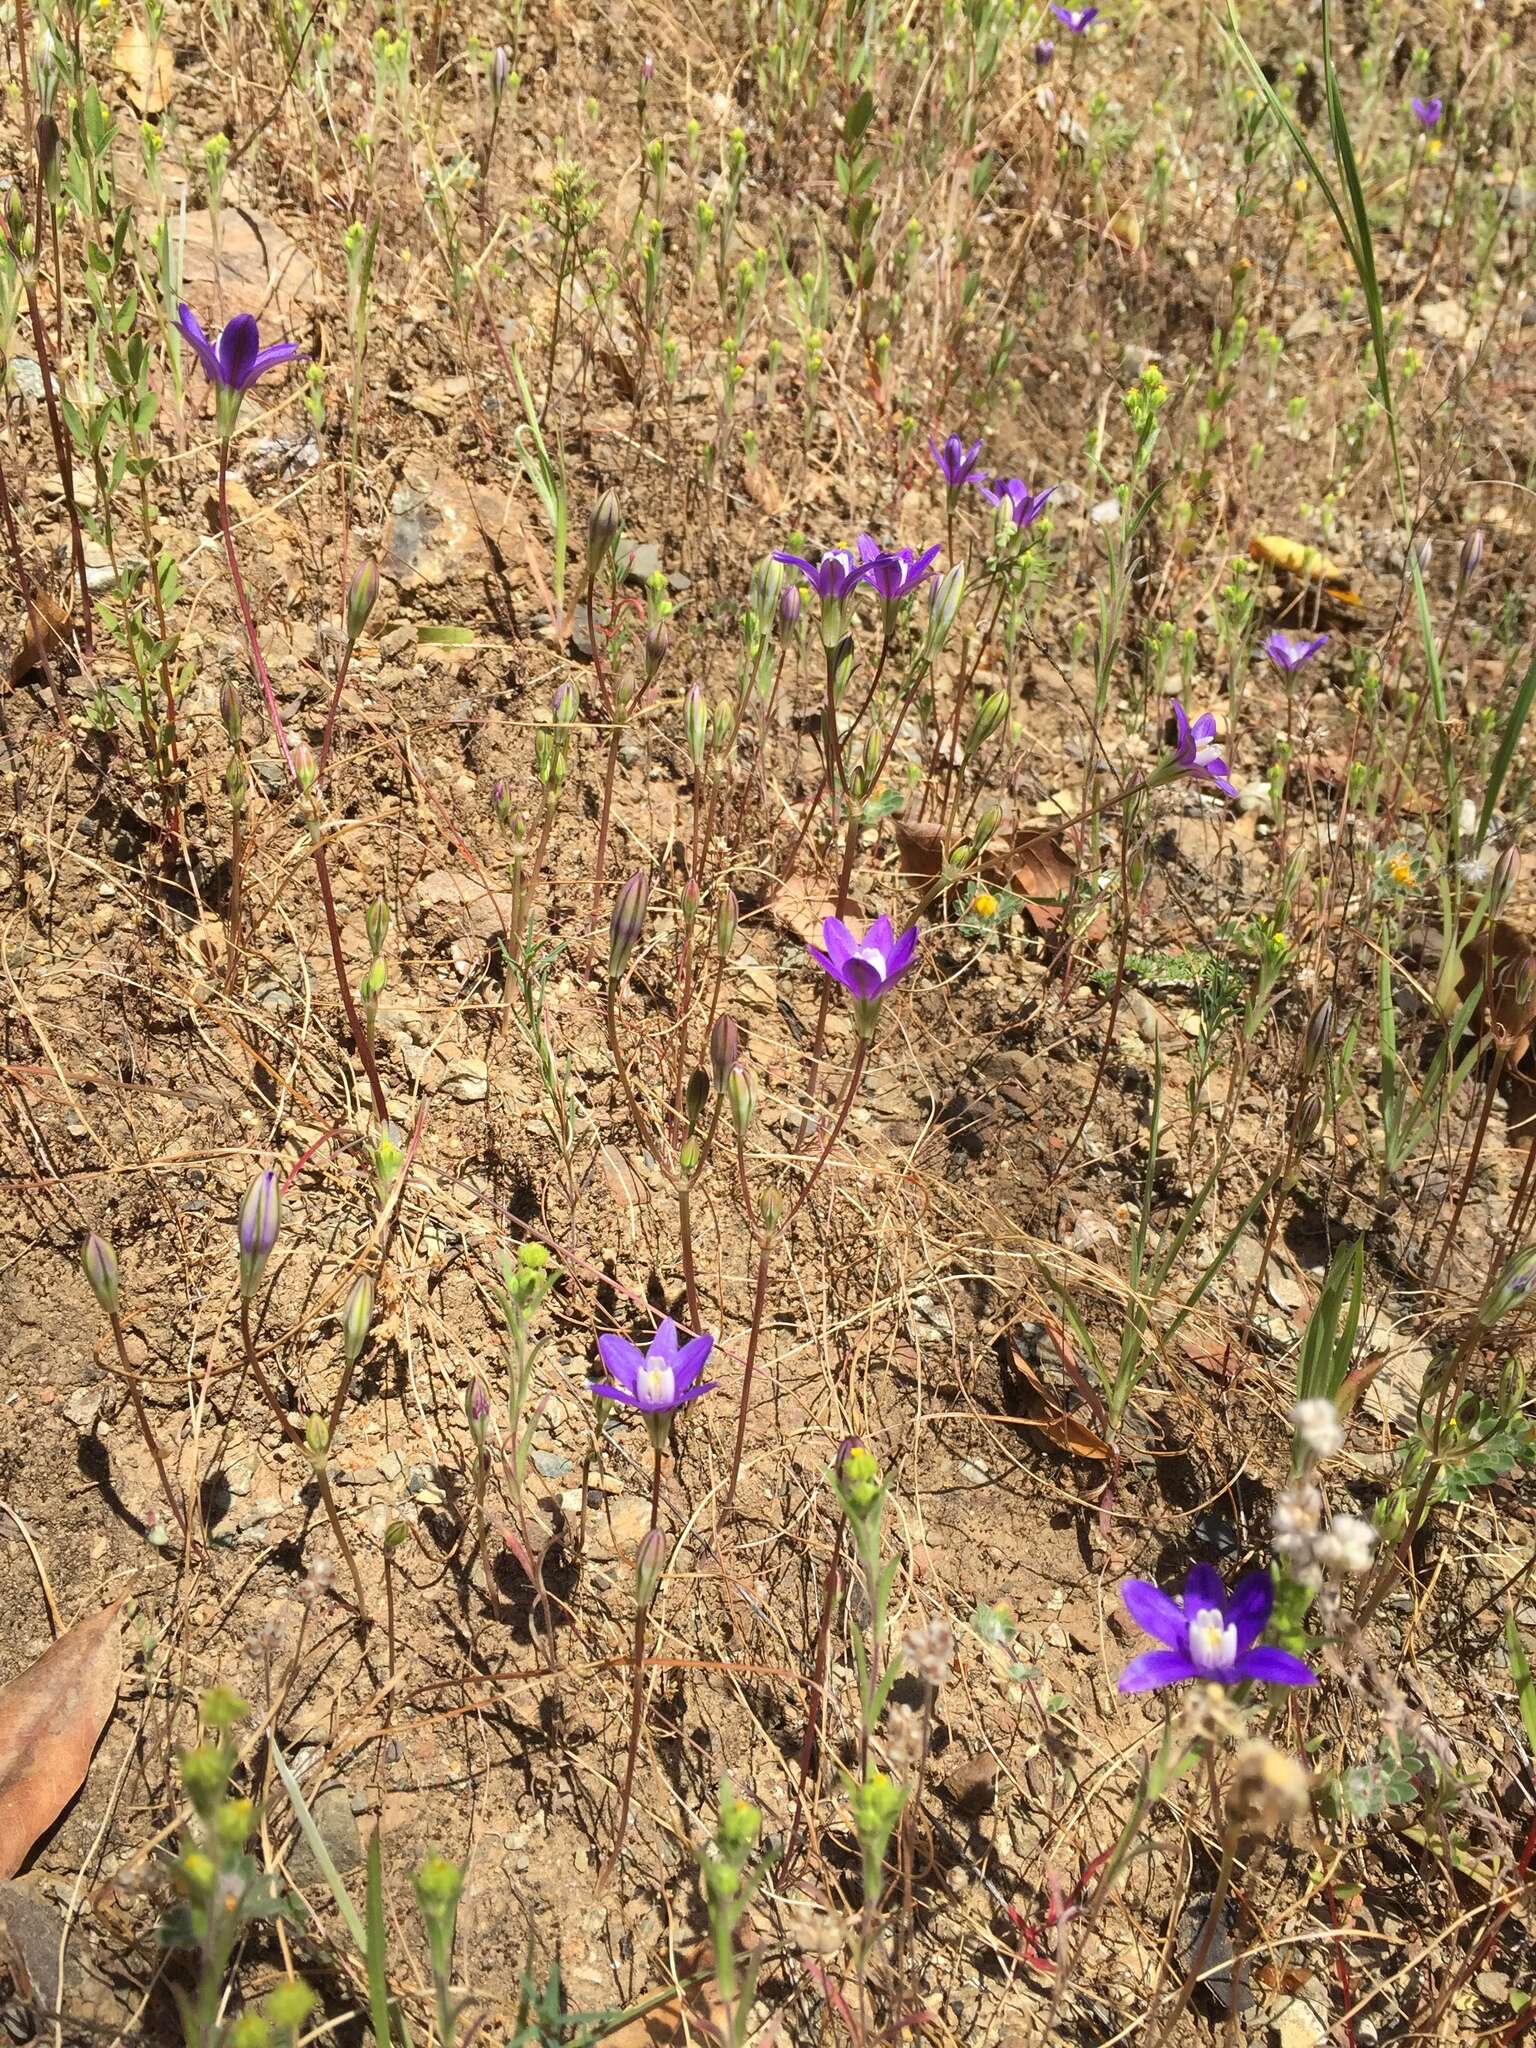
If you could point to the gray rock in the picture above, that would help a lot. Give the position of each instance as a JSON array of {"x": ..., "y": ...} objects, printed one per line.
[{"x": 331, "y": 1807}]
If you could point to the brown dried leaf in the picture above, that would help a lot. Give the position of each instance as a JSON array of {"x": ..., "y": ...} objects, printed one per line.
[
  {"x": 1045, "y": 1413},
  {"x": 484, "y": 912},
  {"x": 1041, "y": 871},
  {"x": 921, "y": 847},
  {"x": 51, "y": 1718},
  {"x": 1495, "y": 959},
  {"x": 147, "y": 67},
  {"x": 803, "y": 907},
  {"x": 256, "y": 269},
  {"x": 43, "y": 637},
  {"x": 763, "y": 488}
]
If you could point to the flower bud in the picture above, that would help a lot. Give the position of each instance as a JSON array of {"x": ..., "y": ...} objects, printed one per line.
[
  {"x": 766, "y": 589},
  {"x": 985, "y": 828},
  {"x": 356, "y": 1317},
  {"x": 857, "y": 1478},
  {"x": 376, "y": 924},
  {"x": 725, "y": 924},
  {"x": 362, "y": 596},
  {"x": 1510, "y": 1289},
  {"x": 695, "y": 1096},
  {"x": 1045, "y": 50},
  {"x": 696, "y": 726},
  {"x": 1471, "y": 557},
  {"x": 477, "y": 1410},
  {"x": 741, "y": 1098},
  {"x": 992, "y": 712},
  {"x": 566, "y": 703},
  {"x": 317, "y": 1440},
  {"x": 1308, "y": 1120},
  {"x": 724, "y": 725},
  {"x": 657, "y": 643},
  {"x": 1423, "y": 553},
  {"x": 724, "y": 1044},
  {"x": 306, "y": 769},
  {"x": 942, "y": 607},
  {"x": 394, "y": 1536},
  {"x": 229, "y": 712},
  {"x": 650, "y": 1566},
  {"x": 438, "y": 1886},
  {"x": 501, "y": 70},
  {"x": 789, "y": 607},
  {"x": 1318, "y": 1042},
  {"x": 690, "y": 1157},
  {"x": 691, "y": 899},
  {"x": 260, "y": 1215},
  {"x": 770, "y": 1211},
  {"x": 602, "y": 531},
  {"x": 100, "y": 1263},
  {"x": 627, "y": 923}
]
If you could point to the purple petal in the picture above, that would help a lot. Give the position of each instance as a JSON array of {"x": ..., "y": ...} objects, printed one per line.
[
  {"x": 1249, "y": 1608},
  {"x": 838, "y": 940},
  {"x": 1273, "y": 1667},
  {"x": 1155, "y": 1612},
  {"x": 663, "y": 1346},
  {"x": 829, "y": 966},
  {"x": 1185, "y": 743},
  {"x": 1219, "y": 773},
  {"x": 606, "y": 1393},
  {"x": 1203, "y": 1588},
  {"x": 1154, "y": 1668},
  {"x": 695, "y": 1393},
  {"x": 621, "y": 1358},
  {"x": 900, "y": 956},
  {"x": 689, "y": 1362},
  {"x": 192, "y": 328},
  {"x": 919, "y": 568},
  {"x": 863, "y": 978},
  {"x": 1204, "y": 728},
  {"x": 239, "y": 346},
  {"x": 879, "y": 937},
  {"x": 271, "y": 356},
  {"x": 796, "y": 562}
]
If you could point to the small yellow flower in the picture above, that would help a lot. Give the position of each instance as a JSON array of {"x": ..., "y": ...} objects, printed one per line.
[
  {"x": 1400, "y": 871},
  {"x": 1433, "y": 147},
  {"x": 984, "y": 903}
]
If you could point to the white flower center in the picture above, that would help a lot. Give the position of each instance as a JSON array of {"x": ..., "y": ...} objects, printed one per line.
[
  {"x": 872, "y": 957},
  {"x": 1212, "y": 1640},
  {"x": 655, "y": 1385},
  {"x": 1207, "y": 751}
]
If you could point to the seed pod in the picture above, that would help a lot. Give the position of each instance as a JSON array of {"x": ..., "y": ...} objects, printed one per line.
[
  {"x": 100, "y": 1263},
  {"x": 724, "y": 1044},
  {"x": 261, "y": 1214},
  {"x": 627, "y": 923},
  {"x": 362, "y": 596}
]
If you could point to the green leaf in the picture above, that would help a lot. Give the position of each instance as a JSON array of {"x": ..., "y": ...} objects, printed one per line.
[
  {"x": 320, "y": 1852},
  {"x": 445, "y": 636},
  {"x": 376, "y": 1950},
  {"x": 1509, "y": 740}
]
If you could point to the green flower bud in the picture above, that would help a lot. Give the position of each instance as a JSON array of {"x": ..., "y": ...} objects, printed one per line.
[
  {"x": 356, "y": 1317},
  {"x": 602, "y": 531},
  {"x": 288, "y": 2005},
  {"x": 100, "y": 1263},
  {"x": 438, "y": 1886},
  {"x": 362, "y": 596},
  {"x": 740, "y": 1097},
  {"x": 994, "y": 709},
  {"x": 317, "y": 1440},
  {"x": 1512, "y": 1288},
  {"x": 204, "y": 1775},
  {"x": 942, "y": 607},
  {"x": 650, "y": 1567},
  {"x": 696, "y": 726},
  {"x": 231, "y": 1827},
  {"x": 725, "y": 924},
  {"x": 222, "y": 1709},
  {"x": 857, "y": 1478},
  {"x": 376, "y": 924}
]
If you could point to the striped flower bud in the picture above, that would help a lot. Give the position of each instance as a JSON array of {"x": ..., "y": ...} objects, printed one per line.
[
  {"x": 1505, "y": 875},
  {"x": 725, "y": 924},
  {"x": 695, "y": 1096},
  {"x": 1471, "y": 557},
  {"x": 650, "y": 1567},
  {"x": 602, "y": 531},
  {"x": 1318, "y": 1042},
  {"x": 1511, "y": 1289},
  {"x": 627, "y": 923},
  {"x": 741, "y": 1098},
  {"x": 100, "y": 1263},
  {"x": 724, "y": 1044},
  {"x": 356, "y": 1317},
  {"x": 362, "y": 596},
  {"x": 657, "y": 643},
  {"x": 261, "y": 1213}
]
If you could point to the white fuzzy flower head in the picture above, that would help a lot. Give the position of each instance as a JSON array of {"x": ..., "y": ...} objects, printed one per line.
[
  {"x": 1295, "y": 1520},
  {"x": 1318, "y": 1427},
  {"x": 1346, "y": 1547}
]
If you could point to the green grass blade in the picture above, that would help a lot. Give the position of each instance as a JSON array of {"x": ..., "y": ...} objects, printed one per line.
[
  {"x": 375, "y": 1949},
  {"x": 1509, "y": 739},
  {"x": 322, "y": 1855}
]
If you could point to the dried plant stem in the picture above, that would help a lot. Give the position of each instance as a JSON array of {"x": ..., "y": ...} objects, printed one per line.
[
  {"x": 252, "y": 638},
  {"x": 355, "y": 1024},
  {"x": 759, "y": 1297},
  {"x": 62, "y": 456},
  {"x": 131, "y": 1381},
  {"x": 636, "y": 1717},
  {"x": 1490, "y": 1091}
]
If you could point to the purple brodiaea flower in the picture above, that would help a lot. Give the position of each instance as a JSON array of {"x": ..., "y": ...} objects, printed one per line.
[
  {"x": 659, "y": 1380},
  {"x": 957, "y": 463},
  {"x": 1024, "y": 505},
  {"x": 1198, "y": 751},
  {"x": 1427, "y": 112},
  {"x": 894, "y": 573},
  {"x": 865, "y": 967},
  {"x": 1077, "y": 19},
  {"x": 834, "y": 579},
  {"x": 236, "y": 360},
  {"x": 1208, "y": 1635},
  {"x": 1289, "y": 650}
]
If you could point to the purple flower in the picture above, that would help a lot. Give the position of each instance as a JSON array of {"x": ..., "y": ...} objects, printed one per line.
[
  {"x": 1077, "y": 19},
  {"x": 957, "y": 463},
  {"x": 834, "y": 578},
  {"x": 1208, "y": 1635},
  {"x": 1024, "y": 505},
  {"x": 1198, "y": 751},
  {"x": 1289, "y": 650},
  {"x": 1427, "y": 112},
  {"x": 659, "y": 1380},
  {"x": 894, "y": 573},
  {"x": 237, "y": 359},
  {"x": 1045, "y": 50},
  {"x": 865, "y": 967}
]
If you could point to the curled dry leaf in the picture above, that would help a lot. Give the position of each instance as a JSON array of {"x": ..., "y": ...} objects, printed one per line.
[
  {"x": 1041, "y": 871},
  {"x": 147, "y": 65},
  {"x": 44, "y": 635},
  {"x": 1506, "y": 1011},
  {"x": 51, "y": 1718}
]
